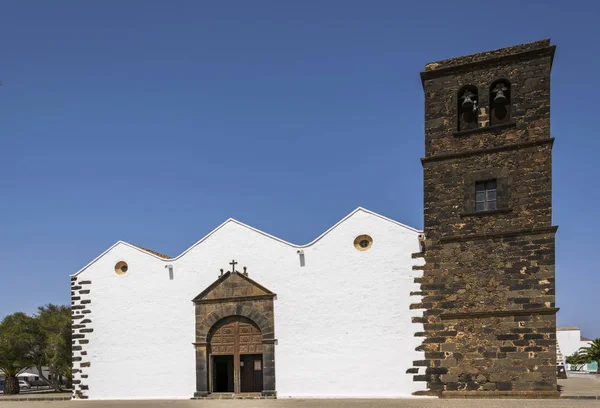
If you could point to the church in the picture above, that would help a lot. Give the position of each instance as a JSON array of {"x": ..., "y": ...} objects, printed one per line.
[{"x": 371, "y": 308}]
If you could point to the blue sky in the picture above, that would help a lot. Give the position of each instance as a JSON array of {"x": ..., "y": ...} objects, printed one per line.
[{"x": 153, "y": 122}]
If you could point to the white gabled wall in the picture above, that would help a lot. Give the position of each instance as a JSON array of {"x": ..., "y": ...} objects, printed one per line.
[{"x": 342, "y": 321}]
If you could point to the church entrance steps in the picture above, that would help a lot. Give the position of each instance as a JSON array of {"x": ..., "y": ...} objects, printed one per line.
[{"x": 243, "y": 395}]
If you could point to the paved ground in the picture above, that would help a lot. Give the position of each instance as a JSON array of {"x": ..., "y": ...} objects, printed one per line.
[
  {"x": 394, "y": 403},
  {"x": 575, "y": 386},
  {"x": 578, "y": 385}
]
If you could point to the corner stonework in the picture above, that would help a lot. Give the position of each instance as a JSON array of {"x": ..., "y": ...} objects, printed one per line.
[
  {"x": 81, "y": 328},
  {"x": 419, "y": 319}
]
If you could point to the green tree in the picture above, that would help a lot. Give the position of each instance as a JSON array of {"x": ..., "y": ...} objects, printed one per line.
[
  {"x": 17, "y": 340},
  {"x": 55, "y": 348},
  {"x": 577, "y": 360},
  {"x": 592, "y": 352},
  {"x": 43, "y": 340}
]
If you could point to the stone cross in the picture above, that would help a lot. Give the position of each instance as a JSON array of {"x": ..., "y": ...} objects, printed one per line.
[{"x": 233, "y": 263}]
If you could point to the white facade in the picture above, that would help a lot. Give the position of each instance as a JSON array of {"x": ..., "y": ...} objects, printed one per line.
[
  {"x": 342, "y": 321},
  {"x": 569, "y": 341}
]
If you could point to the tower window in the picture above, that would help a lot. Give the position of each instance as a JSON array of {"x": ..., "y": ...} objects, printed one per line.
[
  {"x": 468, "y": 98},
  {"x": 500, "y": 102},
  {"x": 485, "y": 195}
]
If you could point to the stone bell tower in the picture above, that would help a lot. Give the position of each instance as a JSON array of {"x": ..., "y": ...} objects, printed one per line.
[{"x": 488, "y": 280}]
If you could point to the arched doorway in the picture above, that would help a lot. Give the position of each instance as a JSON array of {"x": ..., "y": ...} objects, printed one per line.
[
  {"x": 235, "y": 356},
  {"x": 235, "y": 318}
]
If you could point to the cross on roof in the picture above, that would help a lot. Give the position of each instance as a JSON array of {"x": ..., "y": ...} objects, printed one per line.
[{"x": 233, "y": 263}]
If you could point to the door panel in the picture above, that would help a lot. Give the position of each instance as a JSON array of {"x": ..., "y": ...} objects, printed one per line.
[
  {"x": 251, "y": 374},
  {"x": 223, "y": 374},
  {"x": 235, "y": 344}
]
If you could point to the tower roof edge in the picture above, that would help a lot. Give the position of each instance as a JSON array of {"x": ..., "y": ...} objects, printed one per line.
[{"x": 452, "y": 65}]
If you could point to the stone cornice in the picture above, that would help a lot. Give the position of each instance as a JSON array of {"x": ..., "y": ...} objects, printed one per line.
[
  {"x": 491, "y": 128},
  {"x": 236, "y": 299},
  {"x": 470, "y": 66},
  {"x": 500, "y": 234},
  {"x": 499, "y": 313},
  {"x": 488, "y": 150}
]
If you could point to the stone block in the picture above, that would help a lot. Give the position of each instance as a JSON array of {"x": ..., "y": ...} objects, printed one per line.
[{"x": 448, "y": 347}]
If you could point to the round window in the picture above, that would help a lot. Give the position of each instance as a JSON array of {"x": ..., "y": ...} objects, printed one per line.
[
  {"x": 121, "y": 268},
  {"x": 363, "y": 242}
]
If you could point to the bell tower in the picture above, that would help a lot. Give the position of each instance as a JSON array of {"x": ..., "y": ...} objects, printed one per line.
[{"x": 488, "y": 280}]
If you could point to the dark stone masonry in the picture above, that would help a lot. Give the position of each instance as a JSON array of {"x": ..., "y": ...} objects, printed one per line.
[
  {"x": 81, "y": 328},
  {"x": 488, "y": 282}
]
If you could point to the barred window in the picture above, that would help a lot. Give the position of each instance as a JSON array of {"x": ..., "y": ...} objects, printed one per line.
[{"x": 485, "y": 195}]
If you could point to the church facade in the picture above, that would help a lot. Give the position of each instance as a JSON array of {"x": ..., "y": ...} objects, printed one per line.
[
  {"x": 371, "y": 308},
  {"x": 243, "y": 312}
]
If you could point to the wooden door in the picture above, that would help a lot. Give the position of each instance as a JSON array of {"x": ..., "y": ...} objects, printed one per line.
[
  {"x": 223, "y": 373},
  {"x": 238, "y": 337},
  {"x": 251, "y": 374}
]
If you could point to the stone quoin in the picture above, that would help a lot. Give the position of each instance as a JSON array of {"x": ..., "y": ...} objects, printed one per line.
[{"x": 371, "y": 308}]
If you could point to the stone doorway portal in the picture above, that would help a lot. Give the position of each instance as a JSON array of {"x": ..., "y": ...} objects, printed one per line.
[
  {"x": 235, "y": 337},
  {"x": 235, "y": 356}
]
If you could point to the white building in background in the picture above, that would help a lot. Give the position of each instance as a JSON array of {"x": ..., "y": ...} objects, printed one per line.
[
  {"x": 569, "y": 341},
  {"x": 332, "y": 318}
]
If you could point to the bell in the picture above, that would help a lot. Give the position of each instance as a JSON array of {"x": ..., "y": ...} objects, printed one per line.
[
  {"x": 499, "y": 90},
  {"x": 467, "y": 101},
  {"x": 499, "y": 98}
]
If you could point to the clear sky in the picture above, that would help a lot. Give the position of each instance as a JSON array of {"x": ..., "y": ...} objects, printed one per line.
[{"x": 154, "y": 121}]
